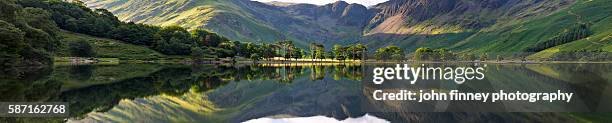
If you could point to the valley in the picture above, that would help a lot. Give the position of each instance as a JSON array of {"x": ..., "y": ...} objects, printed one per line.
[{"x": 494, "y": 26}]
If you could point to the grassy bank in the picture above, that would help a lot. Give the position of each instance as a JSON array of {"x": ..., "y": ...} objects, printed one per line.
[{"x": 107, "y": 48}]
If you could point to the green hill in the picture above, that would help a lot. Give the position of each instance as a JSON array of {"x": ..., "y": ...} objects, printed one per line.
[
  {"x": 106, "y": 48},
  {"x": 516, "y": 36},
  {"x": 240, "y": 20},
  {"x": 542, "y": 28},
  {"x": 222, "y": 16}
]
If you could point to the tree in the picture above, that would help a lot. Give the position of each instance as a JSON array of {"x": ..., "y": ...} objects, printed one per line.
[
  {"x": 41, "y": 32},
  {"x": 229, "y": 45},
  {"x": 11, "y": 43},
  {"x": 443, "y": 55},
  {"x": 389, "y": 52},
  {"x": 197, "y": 54},
  {"x": 317, "y": 51},
  {"x": 483, "y": 57},
  {"x": 359, "y": 51},
  {"x": 28, "y": 35},
  {"x": 339, "y": 52},
  {"x": 180, "y": 34},
  {"x": 469, "y": 57},
  {"x": 350, "y": 52},
  {"x": 107, "y": 15},
  {"x": 268, "y": 51},
  {"x": 206, "y": 38},
  {"x": 287, "y": 49},
  {"x": 572, "y": 34},
  {"x": 397, "y": 57},
  {"x": 255, "y": 57},
  {"x": 139, "y": 34},
  {"x": 423, "y": 54},
  {"x": 173, "y": 47},
  {"x": 81, "y": 49},
  {"x": 297, "y": 53},
  {"x": 311, "y": 47},
  {"x": 173, "y": 40},
  {"x": 7, "y": 10}
]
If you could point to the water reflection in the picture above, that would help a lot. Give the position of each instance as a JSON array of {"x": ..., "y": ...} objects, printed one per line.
[
  {"x": 319, "y": 119},
  {"x": 236, "y": 93}
]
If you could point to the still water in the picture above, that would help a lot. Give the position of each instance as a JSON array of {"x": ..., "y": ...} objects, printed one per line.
[{"x": 267, "y": 92}]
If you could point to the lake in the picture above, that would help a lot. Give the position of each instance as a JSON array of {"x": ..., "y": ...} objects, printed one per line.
[{"x": 301, "y": 92}]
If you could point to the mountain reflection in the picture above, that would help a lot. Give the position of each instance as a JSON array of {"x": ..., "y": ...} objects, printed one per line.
[{"x": 236, "y": 93}]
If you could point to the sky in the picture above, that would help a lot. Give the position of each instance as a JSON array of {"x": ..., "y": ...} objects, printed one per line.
[{"x": 323, "y": 2}]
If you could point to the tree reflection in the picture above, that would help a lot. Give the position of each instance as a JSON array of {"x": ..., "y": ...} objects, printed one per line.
[
  {"x": 304, "y": 80},
  {"x": 81, "y": 72}
]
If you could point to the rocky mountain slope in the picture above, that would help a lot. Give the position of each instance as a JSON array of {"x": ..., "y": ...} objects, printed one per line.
[
  {"x": 246, "y": 20},
  {"x": 463, "y": 25}
]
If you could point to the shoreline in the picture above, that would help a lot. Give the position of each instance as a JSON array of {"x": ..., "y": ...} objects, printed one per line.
[{"x": 82, "y": 60}]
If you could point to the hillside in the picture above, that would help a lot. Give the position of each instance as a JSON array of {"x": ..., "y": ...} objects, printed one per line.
[
  {"x": 106, "y": 48},
  {"x": 244, "y": 20},
  {"x": 517, "y": 35},
  {"x": 494, "y": 26}
]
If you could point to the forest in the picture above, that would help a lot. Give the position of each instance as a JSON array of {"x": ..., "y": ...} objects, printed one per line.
[{"x": 32, "y": 28}]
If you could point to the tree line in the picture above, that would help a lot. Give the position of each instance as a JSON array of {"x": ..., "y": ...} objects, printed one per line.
[
  {"x": 171, "y": 40},
  {"x": 573, "y": 34},
  {"x": 353, "y": 52},
  {"x": 28, "y": 35},
  {"x": 199, "y": 43},
  {"x": 427, "y": 54}
]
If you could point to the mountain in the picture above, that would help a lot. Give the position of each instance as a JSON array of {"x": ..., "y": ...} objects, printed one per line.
[
  {"x": 461, "y": 25},
  {"x": 246, "y": 20}
]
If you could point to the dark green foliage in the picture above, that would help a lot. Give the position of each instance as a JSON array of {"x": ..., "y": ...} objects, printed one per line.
[
  {"x": 11, "y": 43},
  {"x": 468, "y": 57},
  {"x": 81, "y": 72},
  {"x": 357, "y": 51},
  {"x": 7, "y": 10},
  {"x": 197, "y": 54},
  {"x": 445, "y": 55},
  {"x": 483, "y": 57},
  {"x": 81, "y": 49},
  {"x": 176, "y": 33},
  {"x": 287, "y": 49},
  {"x": 267, "y": 51},
  {"x": 297, "y": 53},
  {"x": 224, "y": 53},
  {"x": 139, "y": 34},
  {"x": 573, "y": 34},
  {"x": 44, "y": 33},
  {"x": 172, "y": 47},
  {"x": 173, "y": 40},
  {"x": 582, "y": 55},
  {"x": 27, "y": 35},
  {"x": 317, "y": 51},
  {"x": 255, "y": 57},
  {"x": 428, "y": 54},
  {"x": 247, "y": 49},
  {"x": 422, "y": 54},
  {"x": 206, "y": 38},
  {"x": 76, "y": 17},
  {"x": 339, "y": 52},
  {"x": 349, "y": 52},
  {"x": 389, "y": 52}
]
